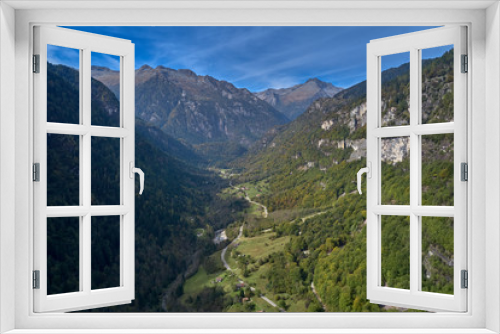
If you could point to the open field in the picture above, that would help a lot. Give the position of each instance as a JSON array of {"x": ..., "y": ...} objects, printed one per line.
[
  {"x": 253, "y": 189},
  {"x": 199, "y": 280},
  {"x": 262, "y": 245}
]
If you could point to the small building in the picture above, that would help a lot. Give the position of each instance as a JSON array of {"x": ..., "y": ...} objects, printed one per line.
[
  {"x": 240, "y": 285},
  {"x": 218, "y": 280}
]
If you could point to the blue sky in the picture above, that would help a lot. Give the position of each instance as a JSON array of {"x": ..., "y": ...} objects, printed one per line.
[{"x": 256, "y": 58}]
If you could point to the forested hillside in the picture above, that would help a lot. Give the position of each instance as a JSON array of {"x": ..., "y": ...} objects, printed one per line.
[
  {"x": 178, "y": 199},
  {"x": 311, "y": 163}
]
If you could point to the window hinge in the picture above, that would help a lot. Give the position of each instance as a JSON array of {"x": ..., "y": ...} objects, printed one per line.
[
  {"x": 464, "y": 167},
  {"x": 465, "y": 63},
  {"x": 465, "y": 279},
  {"x": 36, "y": 279},
  {"x": 36, "y": 172},
  {"x": 36, "y": 63}
]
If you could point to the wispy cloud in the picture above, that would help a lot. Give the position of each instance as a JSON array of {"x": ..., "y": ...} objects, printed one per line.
[
  {"x": 105, "y": 60},
  {"x": 257, "y": 57},
  {"x": 65, "y": 56}
]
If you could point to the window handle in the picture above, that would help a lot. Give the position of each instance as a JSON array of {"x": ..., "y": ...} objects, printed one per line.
[
  {"x": 368, "y": 171},
  {"x": 139, "y": 171}
]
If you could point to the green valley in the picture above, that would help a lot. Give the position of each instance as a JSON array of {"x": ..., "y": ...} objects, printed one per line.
[{"x": 256, "y": 221}]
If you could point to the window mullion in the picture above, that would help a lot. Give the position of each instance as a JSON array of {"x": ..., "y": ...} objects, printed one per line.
[
  {"x": 86, "y": 171},
  {"x": 415, "y": 171}
]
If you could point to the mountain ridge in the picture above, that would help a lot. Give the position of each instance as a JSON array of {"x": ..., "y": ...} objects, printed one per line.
[{"x": 197, "y": 109}]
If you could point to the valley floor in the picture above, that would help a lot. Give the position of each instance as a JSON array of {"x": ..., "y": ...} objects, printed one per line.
[{"x": 243, "y": 273}]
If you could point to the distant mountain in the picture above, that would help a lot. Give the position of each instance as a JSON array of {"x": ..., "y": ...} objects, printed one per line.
[
  {"x": 109, "y": 77},
  {"x": 333, "y": 130},
  {"x": 197, "y": 109},
  {"x": 294, "y": 101}
]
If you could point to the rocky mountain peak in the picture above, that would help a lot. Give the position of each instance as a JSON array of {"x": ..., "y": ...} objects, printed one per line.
[
  {"x": 294, "y": 101},
  {"x": 101, "y": 69},
  {"x": 317, "y": 82},
  {"x": 187, "y": 72},
  {"x": 145, "y": 67}
]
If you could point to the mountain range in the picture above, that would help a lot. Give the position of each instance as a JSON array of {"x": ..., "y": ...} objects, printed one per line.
[
  {"x": 196, "y": 109},
  {"x": 217, "y": 119}
]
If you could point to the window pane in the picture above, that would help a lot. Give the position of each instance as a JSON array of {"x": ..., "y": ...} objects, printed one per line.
[
  {"x": 63, "y": 85},
  {"x": 395, "y": 171},
  {"x": 395, "y": 89},
  {"x": 437, "y": 170},
  {"x": 105, "y": 252},
  {"x": 63, "y": 255},
  {"x": 437, "y": 254},
  {"x": 105, "y": 171},
  {"x": 63, "y": 170},
  {"x": 437, "y": 84},
  {"x": 105, "y": 89},
  {"x": 396, "y": 252}
]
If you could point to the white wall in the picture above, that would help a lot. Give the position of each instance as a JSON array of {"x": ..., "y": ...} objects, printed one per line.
[
  {"x": 256, "y": 17},
  {"x": 492, "y": 166},
  {"x": 7, "y": 165}
]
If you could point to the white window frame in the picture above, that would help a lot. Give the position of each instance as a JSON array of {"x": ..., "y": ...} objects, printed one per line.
[
  {"x": 483, "y": 21},
  {"x": 85, "y": 43},
  {"x": 413, "y": 43}
]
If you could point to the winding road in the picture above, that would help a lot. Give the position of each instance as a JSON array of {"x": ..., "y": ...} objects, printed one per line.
[
  {"x": 313, "y": 215},
  {"x": 264, "y": 208},
  {"x": 223, "y": 253}
]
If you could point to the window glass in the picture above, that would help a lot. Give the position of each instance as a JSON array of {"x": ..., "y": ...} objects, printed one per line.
[
  {"x": 437, "y": 84},
  {"x": 395, "y": 166},
  {"x": 63, "y": 170},
  {"x": 105, "y": 249},
  {"x": 437, "y": 254},
  {"x": 63, "y": 85},
  {"x": 105, "y": 171},
  {"x": 105, "y": 89},
  {"x": 395, "y": 92},
  {"x": 437, "y": 170},
  {"x": 63, "y": 259},
  {"x": 395, "y": 252}
]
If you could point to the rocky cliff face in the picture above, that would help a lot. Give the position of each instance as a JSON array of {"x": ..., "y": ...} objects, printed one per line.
[
  {"x": 294, "y": 101},
  {"x": 197, "y": 109},
  {"x": 333, "y": 130}
]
